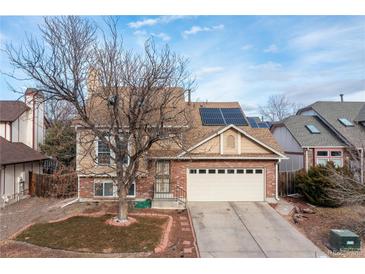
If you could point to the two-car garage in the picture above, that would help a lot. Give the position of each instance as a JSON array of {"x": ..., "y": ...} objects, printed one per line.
[{"x": 226, "y": 184}]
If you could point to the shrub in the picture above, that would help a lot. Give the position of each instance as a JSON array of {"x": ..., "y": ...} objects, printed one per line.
[{"x": 330, "y": 186}]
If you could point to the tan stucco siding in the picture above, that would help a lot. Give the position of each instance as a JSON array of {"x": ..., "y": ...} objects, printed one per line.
[
  {"x": 249, "y": 146},
  {"x": 234, "y": 142},
  {"x": 86, "y": 158},
  {"x": 211, "y": 146}
]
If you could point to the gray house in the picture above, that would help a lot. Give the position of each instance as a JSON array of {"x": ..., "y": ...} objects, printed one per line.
[{"x": 322, "y": 132}]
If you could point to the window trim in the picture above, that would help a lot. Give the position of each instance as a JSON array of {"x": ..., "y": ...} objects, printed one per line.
[
  {"x": 105, "y": 196},
  {"x": 329, "y": 157},
  {"x": 115, "y": 193},
  {"x": 97, "y": 154},
  {"x": 231, "y": 140}
]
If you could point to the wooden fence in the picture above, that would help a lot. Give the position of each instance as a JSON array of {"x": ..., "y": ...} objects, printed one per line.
[
  {"x": 287, "y": 182},
  {"x": 55, "y": 185}
]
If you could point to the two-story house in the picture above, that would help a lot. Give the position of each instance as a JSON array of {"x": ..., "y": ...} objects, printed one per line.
[
  {"x": 225, "y": 160},
  {"x": 322, "y": 132},
  {"x": 22, "y": 130}
]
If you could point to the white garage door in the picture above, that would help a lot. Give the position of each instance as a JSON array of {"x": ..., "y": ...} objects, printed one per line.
[{"x": 225, "y": 185}]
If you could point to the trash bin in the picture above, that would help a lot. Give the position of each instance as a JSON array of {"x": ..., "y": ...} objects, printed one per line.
[{"x": 143, "y": 203}]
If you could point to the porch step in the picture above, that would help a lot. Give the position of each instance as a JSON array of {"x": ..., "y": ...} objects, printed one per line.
[{"x": 167, "y": 203}]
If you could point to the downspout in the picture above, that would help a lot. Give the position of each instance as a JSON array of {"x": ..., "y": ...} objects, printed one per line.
[
  {"x": 33, "y": 126},
  {"x": 306, "y": 160},
  {"x": 362, "y": 165},
  {"x": 277, "y": 179}
]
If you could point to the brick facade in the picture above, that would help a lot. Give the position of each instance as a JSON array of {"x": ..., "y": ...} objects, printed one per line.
[{"x": 178, "y": 173}]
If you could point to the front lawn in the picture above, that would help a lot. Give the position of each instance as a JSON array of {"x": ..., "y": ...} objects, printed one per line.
[{"x": 91, "y": 234}]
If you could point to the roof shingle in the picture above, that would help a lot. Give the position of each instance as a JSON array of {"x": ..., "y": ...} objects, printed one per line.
[
  {"x": 12, "y": 153},
  {"x": 11, "y": 110}
]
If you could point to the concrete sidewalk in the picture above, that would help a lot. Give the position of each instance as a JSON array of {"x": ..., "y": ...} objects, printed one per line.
[{"x": 247, "y": 229}]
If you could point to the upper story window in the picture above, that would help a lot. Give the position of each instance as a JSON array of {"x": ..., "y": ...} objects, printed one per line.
[
  {"x": 103, "y": 152},
  {"x": 231, "y": 142},
  {"x": 105, "y": 155},
  {"x": 313, "y": 129},
  {"x": 345, "y": 122}
]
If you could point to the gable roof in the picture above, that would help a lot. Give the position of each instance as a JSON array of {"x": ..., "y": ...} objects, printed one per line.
[
  {"x": 330, "y": 112},
  {"x": 242, "y": 131},
  {"x": 296, "y": 125},
  {"x": 12, "y": 153},
  {"x": 11, "y": 110},
  {"x": 198, "y": 133}
]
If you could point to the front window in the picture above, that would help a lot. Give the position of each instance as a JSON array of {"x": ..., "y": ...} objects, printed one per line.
[
  {"x": 104, "y": 189},
  {"x": 109, "y": 189},
  {"x": 163, "y": 176},
  {"x": 325, "y": 156}
]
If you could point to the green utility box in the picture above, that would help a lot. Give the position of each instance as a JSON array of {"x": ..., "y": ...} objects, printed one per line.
[
  {"x": 143, "y": 204},
  {"x": 343, "y": 239}
]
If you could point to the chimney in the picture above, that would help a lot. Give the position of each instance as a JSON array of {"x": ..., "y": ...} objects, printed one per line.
[
  {"x": 189, "y": 96},
  {"x": 92, "y": 81},
  {"x": 34, "y": 99},
  {"x": 341, "y": 95}
]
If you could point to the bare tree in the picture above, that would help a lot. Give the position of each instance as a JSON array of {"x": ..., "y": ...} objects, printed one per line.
[
  {"x": 125, "y": 100},
  {"x": 277, "y": 108},
  {"x": 347, "y": 186}
]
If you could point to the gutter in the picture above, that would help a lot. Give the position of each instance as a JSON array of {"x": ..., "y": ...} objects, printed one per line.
[{"x": 219, "y": 158}]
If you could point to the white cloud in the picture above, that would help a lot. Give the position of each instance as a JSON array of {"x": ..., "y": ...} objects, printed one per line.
[
  {"x": 246, "y": 47},
  {"x": 163, "y": 36},
  {"x": 154, "y": 21},
  {"x": 197, "y": 29},
  {"x": 142, "y": 23},
  {"x": 208, "y": 70},
  {"x": 271, "y": 49},
  {"x": 326, "y": 36}
]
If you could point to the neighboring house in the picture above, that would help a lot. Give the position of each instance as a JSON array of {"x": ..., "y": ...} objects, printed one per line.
[
  {"x": 227, "y": 160},
  {"x": 22, "y": 126},
  {"x": 322, "y": 132}
]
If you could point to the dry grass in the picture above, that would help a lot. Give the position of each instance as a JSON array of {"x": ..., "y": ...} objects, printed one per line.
[
  {"x": 317, "y": 226},
  {"x": 91, "y": 234}
]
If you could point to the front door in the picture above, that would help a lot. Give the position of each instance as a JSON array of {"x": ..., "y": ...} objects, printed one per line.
[{"x": 162, "y": 177}]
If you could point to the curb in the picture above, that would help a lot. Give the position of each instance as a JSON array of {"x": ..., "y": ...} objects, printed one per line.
[{"x": 193, "y": 232}]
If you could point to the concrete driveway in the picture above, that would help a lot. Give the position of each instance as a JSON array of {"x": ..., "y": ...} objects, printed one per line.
[{"x": 247, "y": 229}]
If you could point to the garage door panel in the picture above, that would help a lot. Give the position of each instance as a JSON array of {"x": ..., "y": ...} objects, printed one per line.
[{"x": 225, "y": 187}]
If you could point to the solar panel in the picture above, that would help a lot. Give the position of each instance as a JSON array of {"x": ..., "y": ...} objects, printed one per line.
[
  {"x": 233, "y": 116},
  {"x": 263, "y": 125},
  {"x": 252, "y": 122},
  {"x": 222, "y": 116},
  {"x": 211, "y": 117}
]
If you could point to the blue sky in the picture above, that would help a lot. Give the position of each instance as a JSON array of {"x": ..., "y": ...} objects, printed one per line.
[{"x": 242, "y": 58}]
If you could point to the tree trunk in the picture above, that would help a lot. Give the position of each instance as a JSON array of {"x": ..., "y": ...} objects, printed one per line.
[{"x": 122, "y": 204}]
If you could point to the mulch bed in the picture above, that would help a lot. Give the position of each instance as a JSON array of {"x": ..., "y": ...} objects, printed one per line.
[
  {"x": 181, "y": 239},
  {"x": 317, "y": 226}
]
